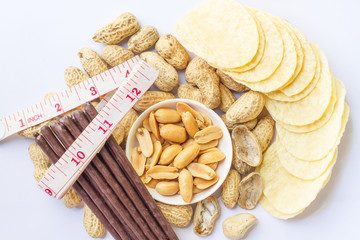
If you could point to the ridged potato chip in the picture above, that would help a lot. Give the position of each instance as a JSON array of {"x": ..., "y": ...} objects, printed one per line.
[
  {"x": 315, "y": 145},
  {"x": 304, "y": 169},
  {"x": 202, "y": 29},
  {"x": 283, "y": 74},
  {"x": 265, "y": 203},
  {"x": 288, "y": 194},
  {"x": 338, "y": 95},
  {"x": 273, "y": 53},
  {"x": 311, "y": 108},
  {"x": 255, "y": 61}
]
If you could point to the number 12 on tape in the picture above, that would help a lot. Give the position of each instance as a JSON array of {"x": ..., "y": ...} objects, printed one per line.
[{"x": 61, "y": 176}]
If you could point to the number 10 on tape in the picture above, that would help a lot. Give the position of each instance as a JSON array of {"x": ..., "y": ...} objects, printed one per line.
[{"x": 61, "y": 176}]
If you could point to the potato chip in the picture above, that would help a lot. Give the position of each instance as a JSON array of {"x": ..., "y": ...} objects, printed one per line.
[
  {"x": 311, "y": 108},
  {"x": 338, "y": 95},
  {"x": 286, "y": 193},
  {"x": 309, "y": 69},
  {"x": 222, "y": 32},
  {"x": 304, "y": 169},
  {"x": 273, "y": 52},
  {"x": 315, "y": 145},
  {"x": 260, "y": 51},
  {"x": 280, "y": 96},
  {"x": 266, "y": 204},
  {"x": 298, "y": 49},
  {"x": 282, "y": 75},
  {"x": 307, "y": 79}
]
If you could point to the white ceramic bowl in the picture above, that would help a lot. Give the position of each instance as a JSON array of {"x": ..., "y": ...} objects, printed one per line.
[{"x": 225, "y": 146}]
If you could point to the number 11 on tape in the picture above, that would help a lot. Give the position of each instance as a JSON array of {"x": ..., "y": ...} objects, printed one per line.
[{"x": 61, "y": 176}]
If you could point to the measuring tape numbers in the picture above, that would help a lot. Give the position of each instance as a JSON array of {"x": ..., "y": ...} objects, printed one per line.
[
  {"x": 60, "y": 176},
  {"x": 67, "y": 100}
]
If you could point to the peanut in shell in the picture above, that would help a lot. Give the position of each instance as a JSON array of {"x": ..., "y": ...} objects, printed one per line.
[
  {"x": 230, "y": 189},
  {"x": 172, "y": 51},
  {"x": 247, "y": 107},
  {"x": 143, "y": 39},
  {"x": 115, "y": 55},
  {"x": 168, "y": 77}
]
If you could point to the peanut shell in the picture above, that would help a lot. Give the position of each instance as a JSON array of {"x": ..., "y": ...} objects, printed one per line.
[
  {"x": 250, "y": 190},
  {"x": 91, "y": 62},
  {"x": 150, "y": 98},
  {"x": 74, "y": 76},
  {"x": 230, "y": 189},
  {"x": 264, "y": 131},
  {"x": 123, "y": 26},
  {"x": 231, "y": 83},
  {"x": 187, "y": 91},
  {"x": 172, "y": 51},
  {"x": 115, "y": 55},
  {"x": 206, "y": 213},
  {"x": 227, "y": 98},
  {"x": 168, "y": 77},
  {"x": 143, "y": 39},
  {"x": 178, "y": 216},
  {"x": 246, "y": 146},
  {"x": 247, "y": 107}
]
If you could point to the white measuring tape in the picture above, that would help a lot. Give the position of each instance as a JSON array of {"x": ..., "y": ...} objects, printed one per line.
[
  {"x": 67, "y": 100},
  {"x": 61, "y": 176}
]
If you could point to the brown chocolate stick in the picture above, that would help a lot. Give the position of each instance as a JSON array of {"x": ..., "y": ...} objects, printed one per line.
[
  {"x": 124, "y": 163},
  {"x": 92, "y": 191},
  {"x": 40, "y": 140},
  {"x": 103, "y": 183},
  {"x": 139, "y": 209}
]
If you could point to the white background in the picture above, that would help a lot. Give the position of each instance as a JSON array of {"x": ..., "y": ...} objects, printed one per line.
[{"x": 39, "y": 39}]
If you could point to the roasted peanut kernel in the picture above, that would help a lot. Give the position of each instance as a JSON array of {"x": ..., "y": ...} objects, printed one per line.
[
  {"x": 188, "y": 142},
  {"x": 153, "y": 160},
  {"x": 173, "y": 133},
  {"x": 144, "y": 139},
  {"x": 189, "y": 123},
  {"x": 203, "y": 184},
  {"x": 163, "y": 172},
  {"x": 154, "y": 126},
  {"x": 208, "y": 134},
  {"x": 183, "y": 107},
  {"x": 211, "y": 156},
  {"x": 208, "y": 145},
  {"x": 167, "y": 188},
  {"x": 138, "y": 161},
  {"x": 201, "y": 171},
  {"x": 186, "y": 156},
  {"x": 186, "y": 185},
  {"x": 146, "y": 124},
  {"x": 167, "y": 115},
  {"x": 169, "y": 154}
]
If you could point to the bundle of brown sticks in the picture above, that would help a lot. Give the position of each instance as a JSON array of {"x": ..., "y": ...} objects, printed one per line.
[{"x": 109, "y": 185}]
